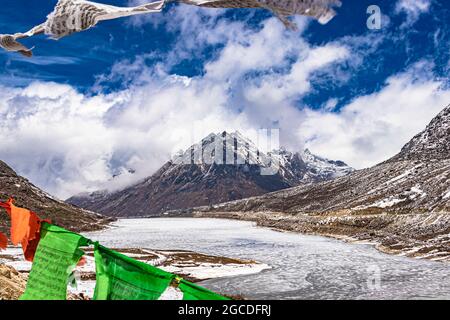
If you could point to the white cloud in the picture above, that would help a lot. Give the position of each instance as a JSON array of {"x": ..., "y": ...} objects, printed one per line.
[
  {"x": 276, "y": 88},
  {"x": 413, "y": 9},
  {"x": 373, "y": 128},
  {"x": 68, "y": 142}
]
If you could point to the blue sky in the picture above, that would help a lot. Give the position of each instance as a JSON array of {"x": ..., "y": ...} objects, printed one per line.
[
  {"x": 80, "y": 59},
  {"x": 129, "y": 92}
]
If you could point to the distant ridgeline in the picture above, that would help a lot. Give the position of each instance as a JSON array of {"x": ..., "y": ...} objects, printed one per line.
[{"x": 221, "y": 167}]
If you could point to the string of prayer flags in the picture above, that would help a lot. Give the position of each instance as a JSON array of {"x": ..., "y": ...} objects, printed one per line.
[
  {"x": 72, "y": 16},
  {"x": 25, "y": 228},
  {"x": 55, "y": 253},
  {"x": 322, "y": 10},
  {"x": 122, "y": 278},
  {"x": 56, "y": 257}
]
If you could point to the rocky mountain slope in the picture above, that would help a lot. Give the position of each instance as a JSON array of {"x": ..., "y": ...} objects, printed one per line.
[
  {"x": 403, "y": 203},
  {"x": 222, "y": 167},
  {"x": 29, "y": 196}
]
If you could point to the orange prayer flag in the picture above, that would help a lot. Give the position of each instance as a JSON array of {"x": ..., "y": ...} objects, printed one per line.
[
  {"x": 23, "y": 223},
  {"x": 3, "y": 237},
  {"x": 25, "y": 229},
  {"x": 3, "y": 241}
]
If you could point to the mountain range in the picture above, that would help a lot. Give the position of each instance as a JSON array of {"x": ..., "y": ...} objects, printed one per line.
[
  {"x": 222, "y": 167},
  {"x": 403, "y": 203}
]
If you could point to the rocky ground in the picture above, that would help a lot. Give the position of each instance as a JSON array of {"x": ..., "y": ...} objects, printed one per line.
[{"x": 12, "y": 283}]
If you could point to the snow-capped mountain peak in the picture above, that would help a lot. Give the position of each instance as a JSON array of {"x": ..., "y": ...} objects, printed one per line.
[{"x": 221, "y": 167}]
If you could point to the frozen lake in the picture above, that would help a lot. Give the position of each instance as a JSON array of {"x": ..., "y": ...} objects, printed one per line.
[{"x": 303, "y": 267}]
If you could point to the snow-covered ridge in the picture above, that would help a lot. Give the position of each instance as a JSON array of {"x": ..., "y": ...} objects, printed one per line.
[
  {"x": 235, "y": 149},
  {"x": 221, "y": 167},
  {"x": 223, "y": 148},
  {"x": 316, "y": 168}
]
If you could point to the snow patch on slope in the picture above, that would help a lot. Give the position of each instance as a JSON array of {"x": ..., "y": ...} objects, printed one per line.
[
  {"x": 412, "y": 194},
  {"x": 447, "y": 195}
]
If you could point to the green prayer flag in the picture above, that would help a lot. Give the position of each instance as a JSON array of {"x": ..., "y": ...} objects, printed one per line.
[
  {"x": 56, "y": 257},
  {"x": 122, "y": 278},
  {"x": 194, "y": 292}
]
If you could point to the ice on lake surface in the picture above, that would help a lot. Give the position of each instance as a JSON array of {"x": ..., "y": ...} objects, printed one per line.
[{"x": 303, "y": 266}]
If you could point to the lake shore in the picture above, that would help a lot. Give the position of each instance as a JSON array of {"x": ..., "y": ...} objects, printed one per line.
[
  {"x": 404, "y": 235},
  {"x": 302, "y": 266}
]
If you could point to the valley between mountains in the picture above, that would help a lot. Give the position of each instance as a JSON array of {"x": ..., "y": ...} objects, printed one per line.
[{"x": 402, "y": 204}]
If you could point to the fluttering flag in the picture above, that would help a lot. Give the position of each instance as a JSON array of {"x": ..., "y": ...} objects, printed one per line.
[
  {"x": 25, "y": 228},
  {"x": 56, "y": 257},
  {"x": 193, "y": 292},
  {"x": 3, "y": 237},
  {"x": 3, "y": 241},
  {"x": 9, "y": 43},
  {"x": 322, "y": 10},
  {"x": 57, "y": 253},
  {"x": 122, "y": 278},
  {"x": 71, "y": 16}
]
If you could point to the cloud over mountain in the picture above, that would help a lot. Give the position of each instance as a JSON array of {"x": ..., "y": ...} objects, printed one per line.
[{"x": 141, "y": 110}]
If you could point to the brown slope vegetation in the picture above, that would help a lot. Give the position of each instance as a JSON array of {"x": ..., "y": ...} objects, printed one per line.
[{"x": 31, "y": 197}]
